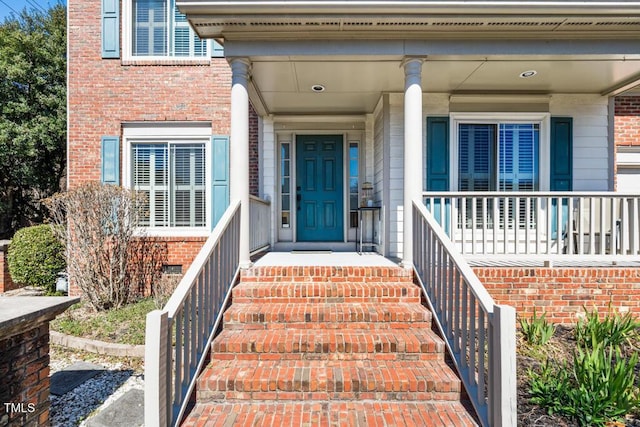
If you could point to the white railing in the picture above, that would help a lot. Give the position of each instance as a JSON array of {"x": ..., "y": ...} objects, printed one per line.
[
  {"x": 179, "y": 335},
  {"x": 598, "y": 225},
  {"x": 260, "y": 217},
  {"x": 480, "y": 335}
]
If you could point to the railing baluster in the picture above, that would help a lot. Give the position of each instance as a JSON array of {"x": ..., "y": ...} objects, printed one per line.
[
  {"x": 481, "y": 355},
  {"x": 474, "y": 224},
  {"x": 634, "y": 230},
  {"x": 495, "y": 225},
  {"x": 527, "y": 224},
  {"x": 472, "y": 341},
  {"x": 485, "y": 220},
  {"x": 516, "y": 227},
  {"x": 463, "y": 224},
  {"x": 465, "y": 326},
  {"x": 450, "y": 309}
]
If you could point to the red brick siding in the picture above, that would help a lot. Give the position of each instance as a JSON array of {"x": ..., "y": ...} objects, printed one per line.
[
  {"x": 627, "y": 120},
  {"x": 104, "y": 93},
  {"x": 6, "y": 284},
  {"x": 24, "y": 368},
  {"x": 562, "y": 292}
]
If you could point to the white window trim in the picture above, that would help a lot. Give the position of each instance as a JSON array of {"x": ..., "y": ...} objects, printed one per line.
[
  {"x": 127, "y": 41},
  {"x": 543, "y": 119},
  {"x": 177, "y": 133}
]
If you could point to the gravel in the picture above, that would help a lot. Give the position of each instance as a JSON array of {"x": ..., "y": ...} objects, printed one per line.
[{"x": 95, "y": 394}]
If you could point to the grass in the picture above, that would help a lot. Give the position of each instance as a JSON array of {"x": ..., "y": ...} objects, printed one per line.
[{"x": 125, "y": 325}]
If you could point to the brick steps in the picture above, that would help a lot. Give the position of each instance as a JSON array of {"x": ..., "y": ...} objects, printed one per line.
[
  {"x": 303, "y": 274},
  {"x": 318, "y": 292},
  {"x": 328, "y": 346},
  {"x": 385, "y": 344},
  {"x": 354, "y": 413},
  {"x": 316, "y": 315},
  {"x": 328, "y": 380}
]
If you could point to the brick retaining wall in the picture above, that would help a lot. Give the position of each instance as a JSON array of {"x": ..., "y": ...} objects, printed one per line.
[
  {"x": 6, "y": 284},
  {"x": 24, "y": 358},
  {"x": 562, "y": 292}
]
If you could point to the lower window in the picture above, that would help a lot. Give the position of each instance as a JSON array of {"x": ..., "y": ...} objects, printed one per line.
[{"x": 172, "y": 178}]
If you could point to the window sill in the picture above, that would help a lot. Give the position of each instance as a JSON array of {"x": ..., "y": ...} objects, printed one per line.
[
  {"x": 174, "y": 232},
  {"x": 166, "y": 61}
]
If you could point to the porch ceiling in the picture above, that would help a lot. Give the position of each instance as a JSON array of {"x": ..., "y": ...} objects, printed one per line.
[
  {"x": 354, "y": 48},
  {"x": 284, "y": 85}
]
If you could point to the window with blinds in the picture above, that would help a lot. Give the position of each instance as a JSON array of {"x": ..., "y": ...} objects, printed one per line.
[
  {"x": 159, "y": 29},
  {"x": 498, "y": 156},
  {"x": 172, "y": 178}
]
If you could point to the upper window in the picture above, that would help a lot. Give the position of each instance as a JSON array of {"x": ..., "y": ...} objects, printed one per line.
[
  {"x": 498, "y": 156},
  {"x": 160, "y": 30}
]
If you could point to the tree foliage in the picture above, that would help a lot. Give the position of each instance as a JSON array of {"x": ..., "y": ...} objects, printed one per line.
[{"x": 32, "y": 114}]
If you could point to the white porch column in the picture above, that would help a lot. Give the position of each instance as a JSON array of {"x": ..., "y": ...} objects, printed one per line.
[
  {"x": 239, "y": 150},
  {"x": 413, "y": 123}
]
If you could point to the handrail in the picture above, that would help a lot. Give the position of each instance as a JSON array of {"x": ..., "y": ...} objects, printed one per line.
[
  {"x": 479, "y": 334},
  {"x": 260, "y": 214},
  {"x": 599, "y": 225},
  {"x": 189, "y": 320}
]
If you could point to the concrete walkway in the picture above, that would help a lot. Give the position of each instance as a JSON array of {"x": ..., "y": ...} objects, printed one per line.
[{"x": 324, "y": 258}]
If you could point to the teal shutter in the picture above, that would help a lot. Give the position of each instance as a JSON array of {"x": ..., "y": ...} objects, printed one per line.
[
  {"x": 110, "y": 158},
  {"x": 437, "y": 153},
  {"x": 561, "y": 154},
  {"x": 217, "y": 50},
  {"x": 438, "y": 163},
  {"x": 110, "y": 28},
  {"x": 220, "y": 176},
  {"x": 561, "y": 167}
]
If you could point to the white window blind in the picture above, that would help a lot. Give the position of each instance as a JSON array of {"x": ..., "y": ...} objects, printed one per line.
[
  {"x": 172, "y": 179},
  {"x": 159, "y": 29}
]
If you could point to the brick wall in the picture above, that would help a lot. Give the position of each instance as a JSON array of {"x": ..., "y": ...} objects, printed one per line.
[
  {"x": 24, "y": 369},
  {"x": 104, "y": 93},
  {"x": 627, "y": 121},
  {"x": 6, "y": 284},
  {"x": 562, "y": 292}
]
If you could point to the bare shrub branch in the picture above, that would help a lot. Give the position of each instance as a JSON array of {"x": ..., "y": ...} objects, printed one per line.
[{"x": 107, "y": 256}]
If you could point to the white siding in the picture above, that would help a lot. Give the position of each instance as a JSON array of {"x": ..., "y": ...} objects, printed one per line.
[
  {"x": 396, "y": 174},
  {"x": 378, "y": 167},
  {"x": 269, "y": 170},
  {"x": 591, "y": 150}
]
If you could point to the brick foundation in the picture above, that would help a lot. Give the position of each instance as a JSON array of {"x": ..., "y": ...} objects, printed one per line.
[
  {"x": 6, "y": 284},
  {"x": 563, "y": 292}
]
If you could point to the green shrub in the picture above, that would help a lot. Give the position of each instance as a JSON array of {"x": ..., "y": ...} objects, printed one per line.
[
  {"x": 537, "y": 331},
  {"x": 35, "y": 257},
  {"x": 614, "y": 329}
]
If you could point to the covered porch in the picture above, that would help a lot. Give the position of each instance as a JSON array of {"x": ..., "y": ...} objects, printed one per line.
[{"x": 421, "y": 99}]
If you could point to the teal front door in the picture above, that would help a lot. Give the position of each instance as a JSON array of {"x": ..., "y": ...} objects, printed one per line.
[{"x": 319, "y": 188}]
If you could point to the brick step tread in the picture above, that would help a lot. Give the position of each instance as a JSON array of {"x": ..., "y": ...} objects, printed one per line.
[
  {"x": 326, "y": 274},
  {"x": 326, "y": 312},
  {"x": 331, "y": 292},
  {"x": 332, "y": 379},
  {"x": 409, "y": 344},
  {"x": 330, "y": 414}
]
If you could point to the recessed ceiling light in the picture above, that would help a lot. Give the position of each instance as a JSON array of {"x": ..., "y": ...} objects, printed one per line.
[
  {"x": 528, "y": 73},
  {"x": 317, "y": 88}
]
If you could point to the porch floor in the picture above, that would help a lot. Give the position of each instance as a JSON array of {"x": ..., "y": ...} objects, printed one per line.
[
  {"x": 573, "y": 261},
  {"x": 325, "y": 259}
]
